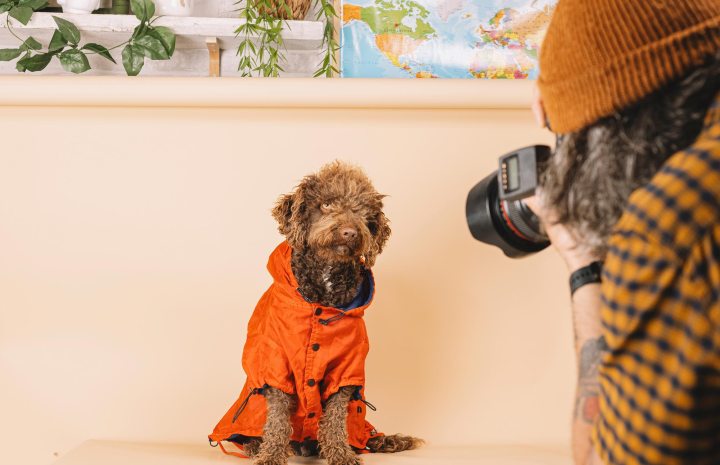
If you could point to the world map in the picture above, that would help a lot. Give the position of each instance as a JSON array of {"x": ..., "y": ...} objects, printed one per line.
[{"x": 484, "y": 39}]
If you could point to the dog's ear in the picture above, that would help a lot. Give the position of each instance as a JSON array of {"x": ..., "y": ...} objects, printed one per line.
[
  {"x": 282, "y": 212},
  {"x": 288, "y": 212},
  {"x": 380, "y": 229}
]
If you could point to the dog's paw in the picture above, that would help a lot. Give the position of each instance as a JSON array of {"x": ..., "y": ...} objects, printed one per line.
[
  {"x": 342, "y": 456},
  {"x": 270, "y": 459},
  {"x": 347, "y": 461},
  {"x": 252, "y": 448}
]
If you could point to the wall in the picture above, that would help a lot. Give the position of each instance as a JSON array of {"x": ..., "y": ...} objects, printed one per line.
[{"x": 133, "y": 243}]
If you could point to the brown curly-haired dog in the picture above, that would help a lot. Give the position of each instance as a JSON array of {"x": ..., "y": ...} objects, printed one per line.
[{"x": 336, "y": 227}]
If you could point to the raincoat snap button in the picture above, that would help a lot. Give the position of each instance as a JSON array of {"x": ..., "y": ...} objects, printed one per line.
[
  {"x": 318, "y": 311},
  {"x": 316, "y": 347},
  {"x": 311, "y": 415},
  {"x": 311, "y": 382}
]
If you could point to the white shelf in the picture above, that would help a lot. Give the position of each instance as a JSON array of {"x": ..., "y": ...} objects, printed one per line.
[
  {"x": 191, "y": 32},
  {"x": 183, "y": 92}
]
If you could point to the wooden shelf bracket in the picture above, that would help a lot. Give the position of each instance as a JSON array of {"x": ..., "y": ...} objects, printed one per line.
[{"x": 214, "y": 56}]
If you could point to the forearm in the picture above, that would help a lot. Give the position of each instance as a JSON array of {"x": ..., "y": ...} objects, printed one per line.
[
  {"x": 589, "y": 346},
  {"x": 589, "y": 343}
]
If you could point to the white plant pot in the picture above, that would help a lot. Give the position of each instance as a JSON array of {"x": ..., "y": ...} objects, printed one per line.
[
  {"x": 216, "y": 9},
  {"x": 79, "y": 7},
  {"x": 173, "y": 7}
]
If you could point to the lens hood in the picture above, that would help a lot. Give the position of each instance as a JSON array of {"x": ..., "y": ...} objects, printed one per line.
[{"x": 487, "y": 224}]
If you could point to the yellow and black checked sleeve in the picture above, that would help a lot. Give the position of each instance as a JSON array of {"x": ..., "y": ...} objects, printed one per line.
[{"x": 660, "y": 379}]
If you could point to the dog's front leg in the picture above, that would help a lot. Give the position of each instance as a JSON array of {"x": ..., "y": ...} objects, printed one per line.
[
  {"x": 333, "y": 436},
  {"x": 275, "y": 446}
]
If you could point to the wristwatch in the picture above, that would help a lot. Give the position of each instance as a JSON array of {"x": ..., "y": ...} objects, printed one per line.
[{"x": 589, "y": 274}]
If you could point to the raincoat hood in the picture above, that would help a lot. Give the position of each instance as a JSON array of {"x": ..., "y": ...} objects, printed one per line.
[{"x": 280, "y": 268}]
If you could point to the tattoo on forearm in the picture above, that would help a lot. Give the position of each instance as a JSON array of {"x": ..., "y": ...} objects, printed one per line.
[{"x": 588, "y": 389}]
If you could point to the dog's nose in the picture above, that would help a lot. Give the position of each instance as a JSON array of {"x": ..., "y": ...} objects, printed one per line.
[{"x": 348, "y": 233}]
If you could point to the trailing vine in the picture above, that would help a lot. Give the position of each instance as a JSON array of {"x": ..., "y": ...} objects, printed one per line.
[
  {"x": 147, "y": 41},
  {"x": 328, "y": 66},
  {"x": 262, "y": 49}
]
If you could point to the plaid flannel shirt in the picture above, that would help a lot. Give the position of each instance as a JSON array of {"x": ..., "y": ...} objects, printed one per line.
[{"x": 660, "y": 379}]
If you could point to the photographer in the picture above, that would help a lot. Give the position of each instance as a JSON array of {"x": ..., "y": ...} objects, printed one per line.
[{"x": 633, "y": 188}]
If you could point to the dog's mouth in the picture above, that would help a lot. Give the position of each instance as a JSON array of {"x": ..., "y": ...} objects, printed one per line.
[{"x": 342, "y": 250}]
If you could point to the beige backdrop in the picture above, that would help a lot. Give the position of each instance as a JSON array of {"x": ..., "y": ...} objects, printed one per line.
[{"x": 133, "y": 244}]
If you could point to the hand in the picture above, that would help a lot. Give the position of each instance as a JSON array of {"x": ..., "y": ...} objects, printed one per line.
[{"x": 572, "y": 251}]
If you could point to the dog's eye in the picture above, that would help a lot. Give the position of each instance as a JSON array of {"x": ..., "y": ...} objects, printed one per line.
[
  {"x": 326, "y": 206},
  {"x": 372, "y": 227}
]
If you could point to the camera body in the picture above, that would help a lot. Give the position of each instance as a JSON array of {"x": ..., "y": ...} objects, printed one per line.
[{"x": 495, "y": 211}]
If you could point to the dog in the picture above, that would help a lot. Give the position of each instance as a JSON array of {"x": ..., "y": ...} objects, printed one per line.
[{"x": 307, "y": 342}]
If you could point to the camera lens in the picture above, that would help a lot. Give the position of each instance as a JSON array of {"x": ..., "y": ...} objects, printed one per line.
[{"x": 509, "y": 225}]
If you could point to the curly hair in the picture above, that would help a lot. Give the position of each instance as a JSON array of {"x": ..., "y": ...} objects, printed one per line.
[
  {"x": 329, "y": 267},
  {"x": 592, "y": 172}
]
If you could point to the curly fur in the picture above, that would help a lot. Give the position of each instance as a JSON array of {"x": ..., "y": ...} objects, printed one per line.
[
  {"x": 275, "y": 446},
  {"x": 333, "y": 433},
  {"x": 329, "y": 269},
  {"x": 592, "y": 173},
  {"x": 394, "y": 443},
  {"x": 327, "y": 266},
  {"x": 333, "y": 436}
]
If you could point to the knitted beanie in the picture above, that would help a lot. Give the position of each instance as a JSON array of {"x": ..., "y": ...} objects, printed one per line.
[{"x": 601, "y": 56}]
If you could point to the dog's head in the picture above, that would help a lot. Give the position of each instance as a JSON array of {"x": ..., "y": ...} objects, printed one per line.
[{"x": 336, "y": 213}]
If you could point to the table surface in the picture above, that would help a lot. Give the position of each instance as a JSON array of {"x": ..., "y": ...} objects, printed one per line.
[{"x": 126, "y": 453}]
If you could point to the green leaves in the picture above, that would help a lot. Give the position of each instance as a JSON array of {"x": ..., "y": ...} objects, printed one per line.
[
  {"x": 33, "y": 63},
  {"x": 133, "y": 58},
  {"x": 9, "y": 54},
  {"x": 74, "y": 61},
  {"x": 58, "y": 42},
  {"x": 34, "y": 4},
  {"x": 100, "y": 50},
  {"x": 262, "y": 49},
  {"x": 22, "y": 10},
  {"x": 166, "y": 36},
  {"x": 154, "y": 42},
  {"x": 30, "y": 44},
  {"x": 68, "y": 30},
  {"x": 152, "y": 48},
  {"x": 143, "y": 9},
  {"x": 328, "y": 65},
  {"x": 21, "y": 13}
]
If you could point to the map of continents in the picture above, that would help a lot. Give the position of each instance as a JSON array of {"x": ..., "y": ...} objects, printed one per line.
[{"x": 493, "y": 39}]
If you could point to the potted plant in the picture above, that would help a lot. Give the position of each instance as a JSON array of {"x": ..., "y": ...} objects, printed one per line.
[
  {"x": 261, "y": 48},
  {"x": 147, "y": 41},
  {"x": 120, "y": 7},
  {"x": 81, "y": 7},
  {"x": 174, "y": 7}
]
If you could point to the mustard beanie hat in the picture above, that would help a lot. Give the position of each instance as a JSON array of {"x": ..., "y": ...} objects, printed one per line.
[{"x": 601, "y": 56}]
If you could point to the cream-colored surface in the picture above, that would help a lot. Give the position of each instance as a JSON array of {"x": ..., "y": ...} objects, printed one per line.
[
  {"x": 119, "y": 453},
  {"x": 133, "y": 244},
  {"x": 264, "y": 93}
]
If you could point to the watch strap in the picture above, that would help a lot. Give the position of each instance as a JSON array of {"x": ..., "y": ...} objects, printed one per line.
[{"x": 589, "y": 274}]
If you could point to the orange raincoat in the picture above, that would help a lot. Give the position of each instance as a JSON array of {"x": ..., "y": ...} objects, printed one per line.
[{"x": 304, "y": 349}]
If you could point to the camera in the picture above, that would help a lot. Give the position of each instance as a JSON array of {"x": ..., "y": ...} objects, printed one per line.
[{"x": 495, "y": 211}]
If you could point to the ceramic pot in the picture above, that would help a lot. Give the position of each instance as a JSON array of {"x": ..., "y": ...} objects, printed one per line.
[
  {"x": 79, "y": 7},
  {"x": 173, "y": 7}
]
